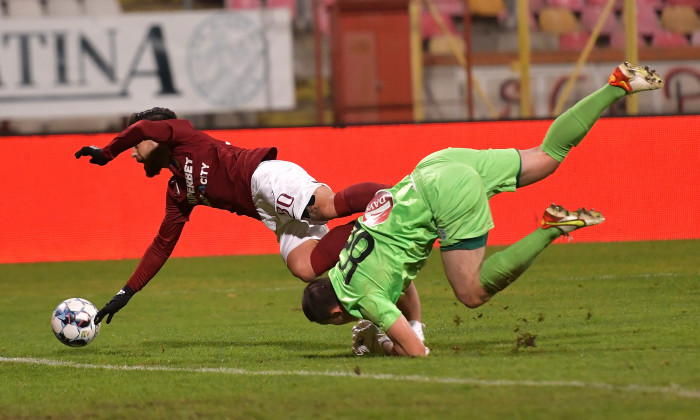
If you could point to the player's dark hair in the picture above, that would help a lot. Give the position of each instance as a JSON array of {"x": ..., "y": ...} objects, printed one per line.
[
  {"x": 319, "y": 299},
  {"x": 153, "y": 114}
]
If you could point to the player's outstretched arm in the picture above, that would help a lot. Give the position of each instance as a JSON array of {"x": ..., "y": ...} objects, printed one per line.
[{"x": 404, "y": 342}]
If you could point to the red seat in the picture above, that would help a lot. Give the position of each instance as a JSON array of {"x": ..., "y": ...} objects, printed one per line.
[
  {"x": 536, "y": 5},
  {"x": 668, "y": 39},
  {"x": 617, "y": 40},
  {"x": 450, "y": 7},
  {"x": 430, "y": 28},
  {"x": 647, "y": 21},
  {"x": 590, "y": 16},
  {"x": 618, "y": 3},
  {"x": 243, "y": 4},
  {"x": 575, "y": 5},
  {"x": 573, "y": 41}
]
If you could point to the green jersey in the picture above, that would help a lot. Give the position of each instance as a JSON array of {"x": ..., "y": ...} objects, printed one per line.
[{"x": 445, "y": 197}]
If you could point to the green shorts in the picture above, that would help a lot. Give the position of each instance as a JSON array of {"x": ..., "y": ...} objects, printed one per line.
[{"x": 457, "y": 184}]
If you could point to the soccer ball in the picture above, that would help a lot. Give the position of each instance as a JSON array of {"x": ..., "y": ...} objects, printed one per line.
[{"x": 73, "y": 322}]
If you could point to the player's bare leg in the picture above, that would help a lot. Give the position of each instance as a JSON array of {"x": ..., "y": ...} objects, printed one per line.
[
  {"x": 462, "y": 267},
  {"x": 475, "y": 283}
]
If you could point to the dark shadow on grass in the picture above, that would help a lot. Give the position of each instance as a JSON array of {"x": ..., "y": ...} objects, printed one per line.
[
  {"x": 295, "y": 345},
  {"x": 347, "y": 354}
]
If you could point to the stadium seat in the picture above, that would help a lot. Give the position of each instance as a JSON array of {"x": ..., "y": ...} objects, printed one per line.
[
  {"x": 488, "y": 8},
  {"x": 63, "y": 8},
  {"x": 575, "y": 5},
  {"x": 430, "y": 28},
  {"x": 682, "y": 19},
  {"x": 243, "y": 4},
  {"x": 668, "y": 39},
  {"x": 695, "y": 4},
  {"x": 537, "y": 5},
  {"x": 647, "y": 21},
  {"x": 24, "y": 8},
  {"x": 558, "y": 20},
  {"x": 619, "y": 4},
  {"x": 650, "y": 4},
  {"x": 450, "y": 7},
  {"x": 102, "y": 7},
  {"x": 590, "y": 16},
  {"x": 573, "y": 41},
  {"x": 618, "y": 40}
]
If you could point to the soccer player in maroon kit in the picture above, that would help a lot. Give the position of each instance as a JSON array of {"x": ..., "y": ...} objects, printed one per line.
[{"x": 247, "y": 182}]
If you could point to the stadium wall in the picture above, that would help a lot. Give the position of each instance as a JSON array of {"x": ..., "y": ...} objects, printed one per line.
[{"x": 642, "y": 173}]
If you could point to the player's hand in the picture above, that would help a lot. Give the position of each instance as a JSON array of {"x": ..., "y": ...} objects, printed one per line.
[
  {"x": 95, "y": 153},
  {"x": 367, "y": 338},
  {"x": 113, "y": 306}
]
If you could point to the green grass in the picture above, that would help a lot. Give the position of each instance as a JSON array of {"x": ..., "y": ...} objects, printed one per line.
[{"x": 615, "y": 327}]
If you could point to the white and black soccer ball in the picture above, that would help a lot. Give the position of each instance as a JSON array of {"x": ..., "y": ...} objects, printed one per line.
[{"x": 73, "y": 322}]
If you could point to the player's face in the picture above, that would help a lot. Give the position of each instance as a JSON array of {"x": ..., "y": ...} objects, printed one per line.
[
  {"x": 339, "y": 316},
  {"x": 152, "y": 156},
  {"x": 143, "y": 151}
]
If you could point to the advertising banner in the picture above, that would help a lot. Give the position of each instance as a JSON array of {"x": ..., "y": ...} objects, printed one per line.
[
  {"x": 195, "y": 62},
  {"x": 641, "y": 173}
]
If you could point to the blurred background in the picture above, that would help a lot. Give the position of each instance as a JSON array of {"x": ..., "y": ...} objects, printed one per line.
[{"x": 82, "y": 66}]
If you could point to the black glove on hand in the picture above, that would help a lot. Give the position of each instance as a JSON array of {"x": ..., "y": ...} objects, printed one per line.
[
  {"x": 113, "y": 306},
  {"x": 95, "y": 153}
]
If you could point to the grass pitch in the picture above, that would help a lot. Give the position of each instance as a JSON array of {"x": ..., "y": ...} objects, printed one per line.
[{"x": 604, "y": 331}]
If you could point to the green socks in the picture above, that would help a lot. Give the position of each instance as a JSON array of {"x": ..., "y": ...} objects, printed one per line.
[
  {"x": 567, "y": 131},
  {"x": 571, "y": 127},
  {"x": 504, "y": 267}
]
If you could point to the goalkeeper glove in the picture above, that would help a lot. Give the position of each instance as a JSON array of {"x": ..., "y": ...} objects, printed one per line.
[
  {"x": 95, "y": 153},
  {"x": 113, "y": 306},
  {"x": 367, "y": 338}
]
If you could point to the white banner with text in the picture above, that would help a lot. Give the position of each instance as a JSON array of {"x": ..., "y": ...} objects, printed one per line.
[{"x": 194, "y": 62}]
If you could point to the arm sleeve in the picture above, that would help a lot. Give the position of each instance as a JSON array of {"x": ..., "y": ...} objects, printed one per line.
[
  {"x": 158, "y": 131},
  {"x": 162, "y": 246},
  {"x": 379, "y": 310}
]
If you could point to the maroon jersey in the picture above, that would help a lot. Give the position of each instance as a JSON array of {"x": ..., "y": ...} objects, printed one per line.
[{"x": 206, "y": 171}]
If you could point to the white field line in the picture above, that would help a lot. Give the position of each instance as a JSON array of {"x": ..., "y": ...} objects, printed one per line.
[{"x": 674, "y": 390}]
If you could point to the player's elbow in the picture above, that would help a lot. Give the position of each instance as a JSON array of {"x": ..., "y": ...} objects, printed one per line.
[
  {"x": 418, "y": 350},
  {"x": 470, "y": 300}
]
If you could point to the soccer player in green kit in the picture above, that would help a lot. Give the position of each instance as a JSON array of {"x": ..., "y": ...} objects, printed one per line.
[{"x": 447, "y": 197}]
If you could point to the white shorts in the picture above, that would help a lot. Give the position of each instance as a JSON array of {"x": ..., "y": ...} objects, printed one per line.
[{"x": 281, "y": 191}]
